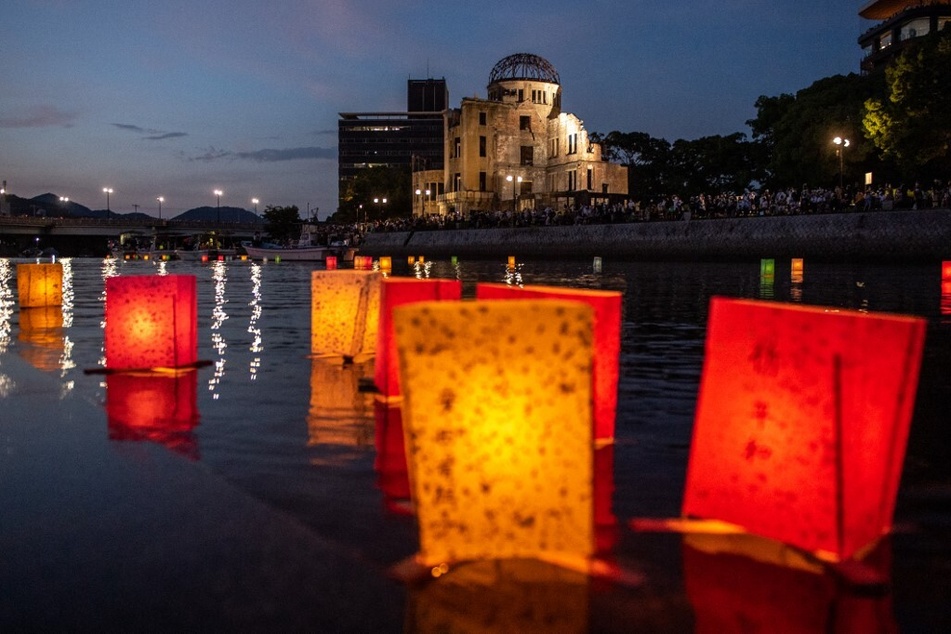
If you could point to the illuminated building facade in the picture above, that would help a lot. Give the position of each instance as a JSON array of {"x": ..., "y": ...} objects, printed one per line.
[
  {"x": 902, "y": 21},
  {"x": 516, "y": 149},
  {"x": 412, "y": 139}
]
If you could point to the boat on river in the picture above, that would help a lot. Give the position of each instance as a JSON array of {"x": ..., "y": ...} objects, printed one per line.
[{"x": 303, "y": 250}]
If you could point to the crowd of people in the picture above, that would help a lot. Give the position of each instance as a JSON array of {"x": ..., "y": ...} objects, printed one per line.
[{"x": 750, "y": 203}]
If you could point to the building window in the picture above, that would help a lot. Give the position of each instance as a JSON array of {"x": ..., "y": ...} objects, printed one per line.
[
  {"x": 481, "y": 146},
  {"x": 604, "y": 188},
  {"x": 573, "y": 143},
  {"x": 481, "y": 118},
  {"x": 527, "y": 155},
  {"x": 482, "y": 184},
  {"x": 457, "y": 182},
  {"x": 525, "y": 122},
  {"x": 885, "y": 42},
  {"x": 590, "y": 179},
  {"x": 553, "y": 147},
  {"x": 571, "y": 180},
  {"x": 457, "y": 148},
  {"x": 521, "y": 95},
  {"x": 915, "y": 28}
]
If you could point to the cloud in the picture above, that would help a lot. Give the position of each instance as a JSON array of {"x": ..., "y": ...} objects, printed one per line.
[
  {"x": 153, "y": 135},
  {"x": 45, "y": 116},
  {"x": 267, "y": 155}
]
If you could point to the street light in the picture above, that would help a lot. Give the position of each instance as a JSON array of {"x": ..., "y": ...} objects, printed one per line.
[
  {"x": 516, "y": 182},
  {"x": 218, "y": 194},
  {"x": 419, "y": 197},
  {"x": 840, "y": 145},
  {"x": 160, "y": 199},
  {"x": 107, "y": 191},
  {"x": 255, "y": 202},
  {"x": 379, "y": 202}
]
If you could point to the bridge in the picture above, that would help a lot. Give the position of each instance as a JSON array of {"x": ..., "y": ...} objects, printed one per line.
[{"x": 71, "y": 236}]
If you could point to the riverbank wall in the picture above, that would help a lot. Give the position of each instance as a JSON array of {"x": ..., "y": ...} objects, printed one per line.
[{"x": 888, "y": 236}]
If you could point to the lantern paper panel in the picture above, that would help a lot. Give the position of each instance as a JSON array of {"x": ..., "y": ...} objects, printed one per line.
[
  {"x": 497, "y": 425},
  {"x": 946, "y": 270},
  {"x": 151, "y": 322},
  {"x": 731, "y": 591},
  {"x": 339, "y": 412},
  {"x": 516, "y": 595},
  {"x": 802, "y": 421},
  {"x": 607, "y": 307},
  {"x": 41, "y": 328},
  {"x": 399, "y": 291},
  {"x": 40, "y": 284},
  {"x": 155, "y": 407},
  {"x": 345, "y": 313}
]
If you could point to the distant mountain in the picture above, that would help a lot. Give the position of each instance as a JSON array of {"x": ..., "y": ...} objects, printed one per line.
[{"x": 224, "y": 214}]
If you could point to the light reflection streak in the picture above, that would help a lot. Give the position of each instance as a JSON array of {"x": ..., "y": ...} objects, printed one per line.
[
  {"x": 422, "y": 269},
  {"x": 218, "y": 317},
  {"x": 513, "y": 275},
  {"x": 6, "y": 304},
  {"x": 110, "y": 268},
  {"x": 66, "y": 362},
  {"x": 257, "y": 345}
]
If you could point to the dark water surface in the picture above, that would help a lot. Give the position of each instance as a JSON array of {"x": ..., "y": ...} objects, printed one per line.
[{"x": 301, "y": 438}]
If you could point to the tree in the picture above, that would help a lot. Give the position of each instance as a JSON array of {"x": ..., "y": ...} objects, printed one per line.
[
  {"x": 392, "y": 183},
  {"x": 646, "y": 158},
  {"x": 911, "y": 123},
  {"x": 282, "y": 223}
]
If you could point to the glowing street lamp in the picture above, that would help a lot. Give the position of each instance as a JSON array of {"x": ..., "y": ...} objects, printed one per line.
[
  {"x": 516, "y": 183},
  {"x": 160, "y": 199},
  {"x": 218, "y": 194},
  {"x": 107, "y": 191},
  {"x": 840, "y": 145},
  {"x": 255, "y": 201},
  {"x": 379, "y": 202}
]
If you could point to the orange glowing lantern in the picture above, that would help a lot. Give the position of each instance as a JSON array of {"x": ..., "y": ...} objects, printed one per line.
[
  {"x": 204, "y": 257},
  {"x": 40, "y": 285},
  {"x": 330, "y": 263},
  {"x": 511, "y": 262},
  {"x": 410, "y": 260},
  {"x": 151, "y": 322},
  {"x": 397, "y": 292},
  {"x": 497, "y": 470},
  {"x": 156, "y": 407},
  {"x": 796, "y": 270},
  {"x": 607, "y": 307},
  {"x": 802, "y": 422},
  {"x": 746, "y": 583},
  {"x": 345, "y": 313},
  {"x": 42, "y": 329},
  {"x": 386, "y": 263}
]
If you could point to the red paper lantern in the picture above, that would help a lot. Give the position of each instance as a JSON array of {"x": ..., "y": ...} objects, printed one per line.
[
  {"x": 802, "y": 422},
  {"x": 151, "y": 322},
  {"x": 330, "y": 262},
  {"x": 397, "y": 292},
  {"x": 160, "y": 408},
  {"x": 607, "y": 307},
  {"x": 946, "y": 270}
]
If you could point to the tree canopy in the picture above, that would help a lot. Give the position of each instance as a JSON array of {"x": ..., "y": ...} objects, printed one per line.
[{"x": 282, "y": 223}]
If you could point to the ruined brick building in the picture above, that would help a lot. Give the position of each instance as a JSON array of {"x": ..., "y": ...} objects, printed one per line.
[{"x": 516, "y": 149}]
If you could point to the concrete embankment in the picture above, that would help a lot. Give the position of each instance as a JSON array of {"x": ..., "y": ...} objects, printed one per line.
[{"x": 886, "y": 236}]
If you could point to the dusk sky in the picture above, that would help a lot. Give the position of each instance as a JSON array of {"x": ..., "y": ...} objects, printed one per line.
[{"x": 177, "y": 98}]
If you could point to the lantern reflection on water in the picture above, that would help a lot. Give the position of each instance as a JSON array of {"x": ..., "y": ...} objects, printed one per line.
[
  {"x": 398, "y": 292},
  {"x": 42, "y": 329},
  {"x": 345, "y": 313},
  {"x": 802, "y": 422},
  {"x": 497, "y": 469},
  {"x": 390, "y": 461},
  {"x": 156, "y": 407},
  {"x": 751, "y": 584},
  {"x": 339, "y": 412},
  {"x": 151, "y": 322},
  {"x": 607, "y": 340},
  {"x": 40, "y": 285}
]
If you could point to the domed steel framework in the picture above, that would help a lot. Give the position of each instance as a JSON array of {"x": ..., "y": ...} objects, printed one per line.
[{"x": 524, "y": 66}]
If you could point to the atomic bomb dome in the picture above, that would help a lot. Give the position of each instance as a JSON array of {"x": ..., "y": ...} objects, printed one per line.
[{"x": 524, "y": 66}]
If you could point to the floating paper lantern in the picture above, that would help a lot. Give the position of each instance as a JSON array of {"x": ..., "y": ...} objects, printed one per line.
[
  {"x": 390, "y": 461},
  {"x": 42, "y": 329},
  {"x": 497, "y": 425},
  {"x": 454, "y": 260},
  {"x": 802, "y": 422},
  {"x": 40, "y": 285},
  {"x": 411, "y": 260},
  {"x": 946, "y": 270},
  {"x": 511, "y": 262},
  {"x": 796, "y": 271},
  {"x": 745, "y": 583},
  {"x": 156, "y": 407},
  {"x": 767, "y": 267},
  {"x": 345, "y": 313},
  {"x": 151, "y": 322},
  {"x": 386, "y": 263},
  {"x": 330, "y": 262},
  {"x": 596, "y": 265},
  {"x": 397, "y": 292},
  {"x": 607, "y": 307},
  {"x": 339, "y": 412}
]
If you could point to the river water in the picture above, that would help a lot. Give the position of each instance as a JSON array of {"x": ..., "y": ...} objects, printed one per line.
[{"x": 303, "y": 438}]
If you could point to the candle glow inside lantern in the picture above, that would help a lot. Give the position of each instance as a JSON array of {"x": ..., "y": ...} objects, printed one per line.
[
  {"x": 345, "y": 313},
  {"x": 801, "y": 423},
  {"x": 40, "y": 285},
  {"x": 497, "y": 425},
  {"x": 607, "y": 307},
  {"x": 160, "y": 408},
  {"x": 397, "y": 292},
  {"x": 151, "y": 322}
]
